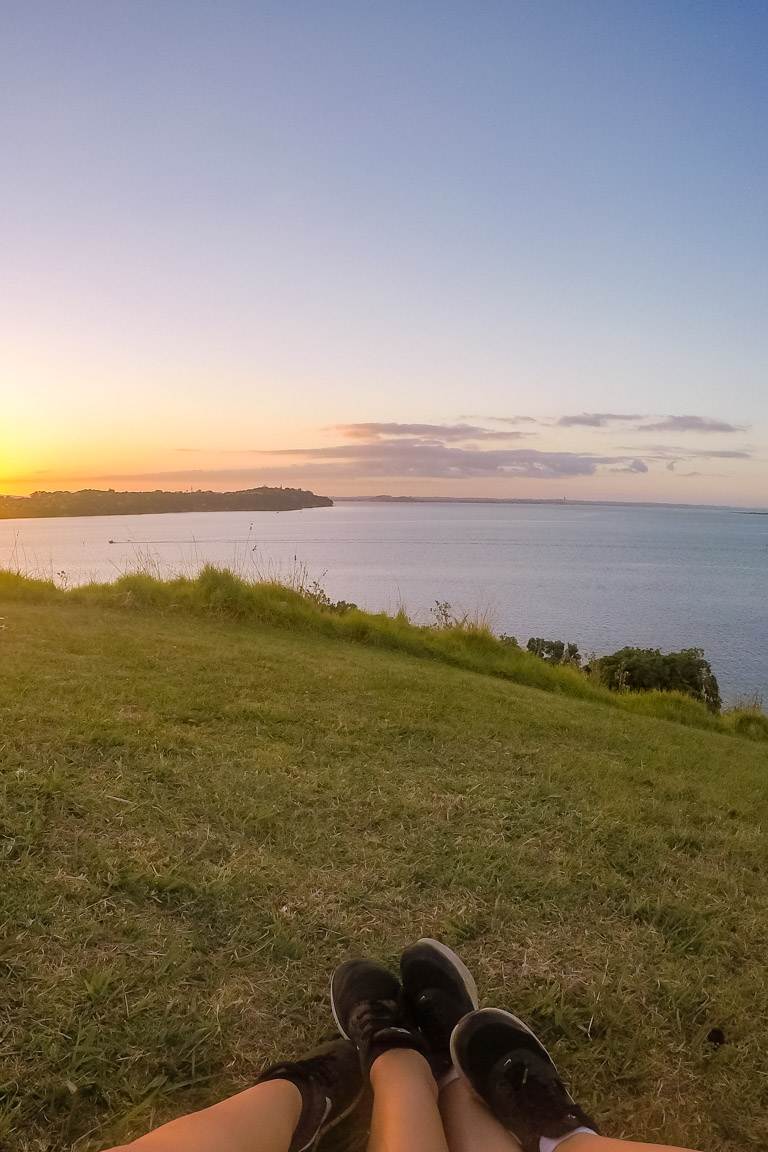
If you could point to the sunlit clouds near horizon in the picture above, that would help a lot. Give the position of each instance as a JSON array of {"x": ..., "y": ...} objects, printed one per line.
[{"x": 582, "y": 455}]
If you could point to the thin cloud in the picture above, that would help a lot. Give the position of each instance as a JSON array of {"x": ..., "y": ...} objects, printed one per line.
[
  {"x": 649, "y": 423},
  {"x": 42, "y": 476},
  {"x": 677, "y": 452},
  {"x": 708, "y": 475},
  {"x": 633, "y": 466},
  {"x": 513, "y": 419},
  {"x": 407, "y": 458},
  {"x": 414, "y": 457},
  {"x": 691, "y": 424},
  {"x": 596, "y": 419},
  {"x": 441, "y": 432},
  {"x": 723, "y": 454},
  {"x": 394, "y": 450},
  {"x": 376, "y": 433}
]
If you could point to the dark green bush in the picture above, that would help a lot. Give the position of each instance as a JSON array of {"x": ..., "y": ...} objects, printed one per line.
[{"x": 646, "y": 669}]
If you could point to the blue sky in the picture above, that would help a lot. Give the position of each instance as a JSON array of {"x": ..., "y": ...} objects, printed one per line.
[{"x": 231, "y": 231}]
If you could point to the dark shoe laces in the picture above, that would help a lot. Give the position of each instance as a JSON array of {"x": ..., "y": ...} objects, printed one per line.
[{"x": 372, "y": 1016}]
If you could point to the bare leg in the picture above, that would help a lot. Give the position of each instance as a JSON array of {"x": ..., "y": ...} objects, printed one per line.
[
  {"x": 405, "y": 1114},
  {"x": 261, "y": 1119},
  {"x": 469, "y": 1125}
]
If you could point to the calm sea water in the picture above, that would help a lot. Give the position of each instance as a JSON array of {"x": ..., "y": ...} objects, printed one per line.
[{"x": 601, "y": 576}]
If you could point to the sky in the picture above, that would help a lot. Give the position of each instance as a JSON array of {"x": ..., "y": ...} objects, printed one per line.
[{"x": 500, "y": 249}]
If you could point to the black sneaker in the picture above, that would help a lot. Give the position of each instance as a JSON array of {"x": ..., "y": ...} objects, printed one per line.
[
  {"x": 330, "y": 1084},
  {"x": 512, "y": 1072},
  {"x": 367, "y": 1005},
  {"x": 439, "y": 989}
]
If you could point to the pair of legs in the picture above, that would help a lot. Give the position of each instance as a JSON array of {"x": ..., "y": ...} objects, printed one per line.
[
  {"x": 409, "y": 1115},
  {"x": 445, "y": 1075},
  {"x": 407, "y": 1105}
]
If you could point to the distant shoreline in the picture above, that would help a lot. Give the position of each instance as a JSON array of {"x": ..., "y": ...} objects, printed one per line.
[
  {"x": 561, "y": 503},
  {"x": 108, "y": 502}
]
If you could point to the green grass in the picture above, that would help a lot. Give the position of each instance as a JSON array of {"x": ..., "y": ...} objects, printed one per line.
[{"x": 201, "y": 812}]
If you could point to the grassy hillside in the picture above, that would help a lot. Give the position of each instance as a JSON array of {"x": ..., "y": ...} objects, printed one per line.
[
  {"x": 305, "y": 607},
  {"x": 199, "y": 816}
]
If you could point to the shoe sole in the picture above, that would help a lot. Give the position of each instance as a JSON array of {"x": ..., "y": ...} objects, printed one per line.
[
  {"x": 502, "y": 1016},
  {"x": 457, "y": 964}
]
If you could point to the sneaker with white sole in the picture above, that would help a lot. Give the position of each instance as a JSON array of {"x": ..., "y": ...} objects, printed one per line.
[
  {"x": 512, "y": 1072},
  {"x": 439, "y": 990}
]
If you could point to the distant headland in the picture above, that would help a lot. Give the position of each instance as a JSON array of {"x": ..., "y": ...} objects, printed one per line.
[{"x": 96, "y": 502}]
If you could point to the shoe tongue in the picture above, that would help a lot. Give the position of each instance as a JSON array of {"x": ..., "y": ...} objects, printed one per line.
[{"x": 372, "y": 1015}]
